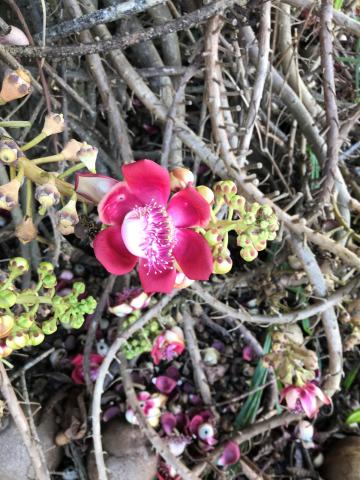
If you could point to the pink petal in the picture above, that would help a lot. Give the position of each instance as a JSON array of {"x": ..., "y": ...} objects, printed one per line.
[
  {"x": 195, "y": 424},
  {"x": 193, "y": 254},
  {"x": 93, "y": 186},
  {"x": 110, "y": 250},
  {"x": 77, "y": 360},
  {"x": 308, "y": 403},
  {"x": 165, "y": 384},
  {"x": 292, "y": 396},
  {"x": 116, "y": 204},
  {"x": 152, "y": 281},
  {"x": 189, "y": 209},
  {"x": 230, "y": 455},
  {"x": 148, "y": 181},
  {"x": 77, "y": 375},
  {"x": 168, "y": 422},
  {"x": 324, "y": 399}
]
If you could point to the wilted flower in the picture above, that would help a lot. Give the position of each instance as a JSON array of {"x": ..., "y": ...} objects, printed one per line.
[
  {"x": 54, "y": 123},
  {"x": 87, "y": 155},
  {"x": 47, "y": 194},
  {"x": 180, "y": 178},
  {"x": 26, "y": 230},
  {"x": 308, "y": 398},
  {"x": 150, "y": 406},
  {"x": 146, "y": 230},
  {"x": 77, "y": 374},
  {"x": 201, "y": 427},
  {"x": 168, "y": 345},
  {"x": 9, "y": 194},
  {"x": 129, "y": 301},
  {"x": 230, "y": 455},
  {"x": 68, "y": 217},
  {"x": 16, "y": 84},
  {"x": 248, "y": 353},
  {"x": 211, "y": 356}
]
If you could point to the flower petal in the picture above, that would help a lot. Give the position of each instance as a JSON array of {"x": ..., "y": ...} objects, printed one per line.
[
  {"x": 291, "y": 396},
  {"x": 230, "y": 456},
  {"x": 116, "y": 204},
  {"x": 193, "y": 254},
  {"x": 93, "y": 186},
  {"x": 189, "y": 209},
  {"x": 308, "y": 403},
  {"x": 153, "y": 281},
  {"x": 165, "y": 384},
  {"x": 168, "y": 422},
  {"x": 110, "y": 250},
  {"x": 148, "y": 181}
]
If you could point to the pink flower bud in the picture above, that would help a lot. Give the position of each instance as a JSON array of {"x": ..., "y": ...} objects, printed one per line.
[{"x": 180, "y": 178}]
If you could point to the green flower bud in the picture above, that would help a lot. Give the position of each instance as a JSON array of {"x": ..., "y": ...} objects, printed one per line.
[
  {"x": 154, "y": 326},
  {"x": 78, "y": 288},
  {"x": 244, "y": 241},
  {"x": 7, "y": 299},
  {"x": 17, "y": 340},
  {"x": 18, "y": 266},
  {"x": 36, "y": 337},
  {"x": 213, "y": 237},
  {"x": 6, "y": 324},
  {"x": 238, "y": 203},
  {"x": 25, "y": 321},
  {"x": 260, "y": 245},
  {"x": 249, "y": 253},
  {"x": 271, "y": 235},
  {"x": 49, "y": 281},
  {"x": 222, "y": 261},
  {"x": 45, "y": 268},
  {"x": 49, "y": 327}
]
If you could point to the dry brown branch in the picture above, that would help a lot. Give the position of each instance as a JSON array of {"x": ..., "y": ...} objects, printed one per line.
[
  {"x": 332, "y": 119},
  {"x": 22, "y": 425},
  {"x": 283, "y": 318},
  {"x": 328, "y": 316},
  {"x": 201, "y": 381}
]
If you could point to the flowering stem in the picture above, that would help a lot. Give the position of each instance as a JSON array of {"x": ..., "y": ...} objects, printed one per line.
[
  {"x": 72, "y": 170},
  {"x": 29, "y": 198},
  {"x": 30, "y": 298},
  {"x": 39, "y": 138},
  {"x": 15, "y": 124}
]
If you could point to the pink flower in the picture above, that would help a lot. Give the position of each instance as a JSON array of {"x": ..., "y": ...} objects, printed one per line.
[
  {"x": 230, "y": 456},
  {"x": 130, "y": 300},
  {"x": 150, "y": 405},
  {"x": 248, "y": 353},
  {"x": 201, "y": 427},
  {"x": 165, "y": 384},
  {"x": 308, "y": 398},
  {"x": 168, "y": 345},
  {"x": 77, "y": 374},
  {"x": 144, "y": 229}
]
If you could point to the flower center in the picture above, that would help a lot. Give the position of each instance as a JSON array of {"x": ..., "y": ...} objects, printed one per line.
[{"x": 148, "y": 232}]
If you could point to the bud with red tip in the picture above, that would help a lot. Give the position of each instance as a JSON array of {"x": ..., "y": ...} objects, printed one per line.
[{"x": 16, "y": 84}]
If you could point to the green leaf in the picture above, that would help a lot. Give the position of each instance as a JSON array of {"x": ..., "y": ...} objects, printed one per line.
[
  {"x": 251, "y": 406},
  {"x": 350, "y": 377},
  {"x": 306, "y": 326},
  {"x": 338, "y": 4},
  {"x": 354, "y": 417}
]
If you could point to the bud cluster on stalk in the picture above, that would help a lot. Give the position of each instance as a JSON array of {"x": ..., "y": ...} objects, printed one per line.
[
  {"x": 294, "y": 364},
  {"x": 142, "y": 341},
  {"x": 26, "y": 316},
  {"x": 253, "y": 224}
]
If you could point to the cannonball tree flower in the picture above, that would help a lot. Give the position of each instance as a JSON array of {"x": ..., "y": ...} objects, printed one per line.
[
  {"x": 230, "y": 455},
  {"x": 308, "y": 398},
  {"x": 77, "y": 374},
  {"x": 150, "y": 406},
  {"x": 145, "y": 229},
  {"x": 168, "y": 345}
]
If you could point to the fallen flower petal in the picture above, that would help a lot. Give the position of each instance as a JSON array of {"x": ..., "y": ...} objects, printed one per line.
[{"x": 230, "y": 456}]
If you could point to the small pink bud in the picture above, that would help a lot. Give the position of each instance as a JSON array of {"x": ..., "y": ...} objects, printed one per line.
[{"x": 180, "y": 178}]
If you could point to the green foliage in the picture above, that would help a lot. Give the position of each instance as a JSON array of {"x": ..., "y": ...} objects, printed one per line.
[{"x": 354, "y": 417}]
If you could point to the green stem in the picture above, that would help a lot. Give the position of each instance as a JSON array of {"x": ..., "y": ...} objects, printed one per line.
[
  {"x": 71, "y": 170},
  {"x": 32, "y": 298},
  {"x": 39, "y": 138},
  {"x": 29, "y": 198},
  {"x": 51, "y": 159},
  {"x": 15, "y": 124}
]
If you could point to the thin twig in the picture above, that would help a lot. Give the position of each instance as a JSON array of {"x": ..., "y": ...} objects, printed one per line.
[{"x": 199, "y": 375}]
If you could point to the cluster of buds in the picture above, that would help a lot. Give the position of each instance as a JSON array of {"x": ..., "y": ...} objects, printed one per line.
[
  {"x": 352, "y": 318},
  {"x": 16, "y": 84},
  {"x": 150, "y": 405},
  {"x": 22, "y": 322},
  {"x": 294, "y": 364},
  {"x": 143, "y": 340},
  {"x": 254, "y": 225}
]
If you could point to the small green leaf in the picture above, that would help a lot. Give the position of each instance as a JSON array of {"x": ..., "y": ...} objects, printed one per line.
[
  {"x": 306, "y": 326},
  {"x": 354, "y": 417},
  {"x": 350, "y": 377}
]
